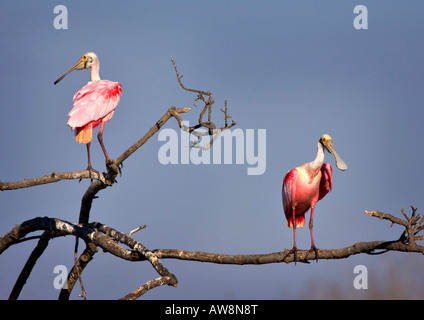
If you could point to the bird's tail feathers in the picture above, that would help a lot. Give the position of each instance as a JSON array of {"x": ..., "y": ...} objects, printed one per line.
[
  {"x": 84, "y": 134},
  {"x": 300, "y": 221}
]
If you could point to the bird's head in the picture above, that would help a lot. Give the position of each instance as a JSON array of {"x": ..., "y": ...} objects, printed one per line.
[
  {"x": 327, "y": 142},
  {"x": 86, "y": 61}
]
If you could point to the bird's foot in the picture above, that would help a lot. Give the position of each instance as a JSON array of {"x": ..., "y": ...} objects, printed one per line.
[
  {"x": 109, "y": 162},
  {"x": 90, "y": 170},
  {"x": 112, "y": 169},
  {"x": 314, "y": 249},
  {"x": 287, "y": 252}
]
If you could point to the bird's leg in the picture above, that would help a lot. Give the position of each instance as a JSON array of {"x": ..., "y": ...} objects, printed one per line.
[
  {"x": 89, "y": 161},
  {"x": 100, "y": 138},
  {"x": 89, "y": 167},
  {"x": 294, "y": 249},
  {"x": 110, "y": 164},
  {"x": 313, "y": 248}
]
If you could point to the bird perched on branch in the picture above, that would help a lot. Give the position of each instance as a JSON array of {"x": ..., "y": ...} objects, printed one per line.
[
  {"x": 304, "y": 186},
  {"x": 94, "y": 104}
]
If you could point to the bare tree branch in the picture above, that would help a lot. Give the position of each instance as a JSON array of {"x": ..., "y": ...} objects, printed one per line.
[
  {"x": 53, "y": 177},
  {"x": 95, "y": 233},
  {"x": 212, "y": 130},
  {"x": 75, "y": 273},
  {"x": 168, "y": 280},
  {"x": 413, "y": 225},
  {"x": 110, "y": 239},
  {"x": 29, "y": 265},
  {"x": 276, "y": 257},
  {"x": 172, "y": 112}
]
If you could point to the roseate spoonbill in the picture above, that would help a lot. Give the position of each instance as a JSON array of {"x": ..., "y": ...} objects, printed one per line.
[
  {"x": 94, "y": 104},
  {"x": 304, "y": 186}
]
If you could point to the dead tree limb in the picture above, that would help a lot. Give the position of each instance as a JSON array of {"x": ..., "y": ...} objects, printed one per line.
[
  {"x": 110, "y": 241},
  {"x": 98, "y": 234},
  {"x": 210, "y": 126},
  {"x": 50, "y": 178},
  {"x": 75, "y": 274},
  {"x": 29, "y": 265},
  {"x": 405, "y": 243}
]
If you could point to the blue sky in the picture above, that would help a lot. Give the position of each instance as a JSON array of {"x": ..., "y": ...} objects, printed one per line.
[{"x": 297, "y": 69}]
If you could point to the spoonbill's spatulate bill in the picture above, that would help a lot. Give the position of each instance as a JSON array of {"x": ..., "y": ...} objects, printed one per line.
[
  {"x": 304, "y": 186},
  {"x": 94, "y": 104}
]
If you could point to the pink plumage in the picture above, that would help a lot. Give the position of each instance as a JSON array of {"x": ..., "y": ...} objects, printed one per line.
[
  {"x": 301, "y": 192},
  {"x": 93, "y": 104},
  {"x": 326, "y": 183}
]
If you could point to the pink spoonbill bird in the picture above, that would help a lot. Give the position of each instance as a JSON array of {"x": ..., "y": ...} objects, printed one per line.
[
  {"x": 94, "y": 104},
  {"x": 304, "y": 186}
]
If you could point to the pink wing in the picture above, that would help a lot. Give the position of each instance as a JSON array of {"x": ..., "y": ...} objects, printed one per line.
[
  {"x": 288, "y": 192},
  {"x": 326, "y": 183},
  {"x": 93, "y": 102}
]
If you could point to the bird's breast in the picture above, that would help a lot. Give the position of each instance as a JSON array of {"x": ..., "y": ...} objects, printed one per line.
[{"x": 307, "y": 188}]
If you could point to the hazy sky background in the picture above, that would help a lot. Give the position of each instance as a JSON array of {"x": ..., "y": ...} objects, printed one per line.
[{"x": 295, "y": 68}]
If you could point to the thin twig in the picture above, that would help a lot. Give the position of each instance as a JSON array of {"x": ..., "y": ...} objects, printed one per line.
[
  {"x": 136, "y": 230},
  {"x": 166, "y": 280},
  {"x": 83, "y": 292}
]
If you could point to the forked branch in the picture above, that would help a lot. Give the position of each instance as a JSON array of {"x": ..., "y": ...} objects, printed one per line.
[
  {"x": 413, "y": 226},
  {"x": 211, "y": 129}
]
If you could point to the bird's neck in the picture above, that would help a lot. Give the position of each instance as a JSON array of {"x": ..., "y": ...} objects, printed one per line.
[
  {"x": 315, "y": 166},
  {"x": 95, "y": 72}
]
